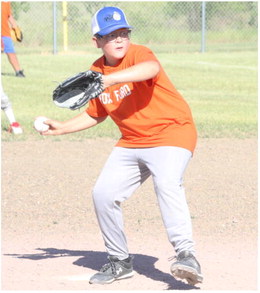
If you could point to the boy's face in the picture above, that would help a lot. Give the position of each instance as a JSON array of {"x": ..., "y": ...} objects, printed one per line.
[{"x": 114, "y": 45}]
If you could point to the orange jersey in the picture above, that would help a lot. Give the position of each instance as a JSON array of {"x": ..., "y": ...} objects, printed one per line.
[
  {"x": 150, "y": 113},
  {"x": 6, "y": 12}
]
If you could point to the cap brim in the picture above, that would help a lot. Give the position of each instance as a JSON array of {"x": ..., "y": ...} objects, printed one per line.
[{"x": 109, "y": 30}]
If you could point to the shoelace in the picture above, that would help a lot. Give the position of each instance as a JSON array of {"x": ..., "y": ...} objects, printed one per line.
[
  {"x": 172, "y": 258},
  {"x": 109, "y": 265}
]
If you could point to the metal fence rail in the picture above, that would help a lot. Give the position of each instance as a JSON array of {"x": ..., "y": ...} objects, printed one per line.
[{"x": 165, "y": 26}]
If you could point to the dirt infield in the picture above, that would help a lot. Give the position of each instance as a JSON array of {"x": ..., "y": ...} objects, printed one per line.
[{"x": 50, "y": 236}]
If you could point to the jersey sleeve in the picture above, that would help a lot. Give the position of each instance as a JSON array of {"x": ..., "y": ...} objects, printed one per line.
[
  {"x": 95, "y": 108},
  {"x": 144, "y": 54}
]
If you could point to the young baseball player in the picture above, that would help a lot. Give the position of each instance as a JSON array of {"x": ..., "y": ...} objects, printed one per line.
[
  {"x": 158, "y": 140},
  {"x": 6, "y": 106},
  {"x": 7, "y": 46}
]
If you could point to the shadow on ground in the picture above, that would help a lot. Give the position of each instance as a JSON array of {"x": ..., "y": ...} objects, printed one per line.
[{"x": 143, "y": 264}]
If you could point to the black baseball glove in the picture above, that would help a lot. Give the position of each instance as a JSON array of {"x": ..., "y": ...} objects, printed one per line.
[{"x": 76, "y": 91}]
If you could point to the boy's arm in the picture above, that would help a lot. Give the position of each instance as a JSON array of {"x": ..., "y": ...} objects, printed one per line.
[
  {"x": 139, "y": 72},
  {"x": 12, "y": 22},
  {"x": 80, "y": 122}
]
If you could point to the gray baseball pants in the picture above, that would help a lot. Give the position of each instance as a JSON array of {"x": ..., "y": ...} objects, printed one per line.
[
  {"x": 125, "y": 170},
  {"x": 5, "y": 102}
]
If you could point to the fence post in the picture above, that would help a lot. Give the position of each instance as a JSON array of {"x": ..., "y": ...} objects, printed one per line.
[
  {"x": 54, "y": 11},
  {"x": 65, "y": 25},
  {"x": 203, "y": 27}
]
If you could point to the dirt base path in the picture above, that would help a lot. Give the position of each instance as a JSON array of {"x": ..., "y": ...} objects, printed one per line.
[{"x": 50, "y": 236}]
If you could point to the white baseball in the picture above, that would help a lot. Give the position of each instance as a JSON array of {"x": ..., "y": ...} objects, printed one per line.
[{"x": 39, "y": 124}]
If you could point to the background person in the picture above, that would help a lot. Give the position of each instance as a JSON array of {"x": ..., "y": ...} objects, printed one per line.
[
  {"x": 7, "y": 46},
  {"x": 6, "y": 106}
]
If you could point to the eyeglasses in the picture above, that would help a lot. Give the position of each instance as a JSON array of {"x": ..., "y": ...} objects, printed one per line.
[{"x": 124, "y": 35}]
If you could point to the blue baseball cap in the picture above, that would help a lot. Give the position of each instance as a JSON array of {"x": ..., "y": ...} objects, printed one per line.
[{"x": 107, "y": 20}]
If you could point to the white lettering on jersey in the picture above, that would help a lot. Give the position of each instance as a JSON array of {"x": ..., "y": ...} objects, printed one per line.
[
  {"x": 120, "y": 94},
  {"x": 105, "y": 98},
  {"x": 123, "y": 92}
]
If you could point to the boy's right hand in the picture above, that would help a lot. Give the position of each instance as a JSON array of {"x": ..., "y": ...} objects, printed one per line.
[{"x": 55, "y": 128}]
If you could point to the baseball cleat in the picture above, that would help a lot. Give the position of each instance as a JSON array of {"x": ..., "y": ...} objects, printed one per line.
[
  {"x": 19, "y": 73},
  {"x": 15, "y": 128},
  {"x": 114, "y": 270},
  {"x": 187, "y": 267}
]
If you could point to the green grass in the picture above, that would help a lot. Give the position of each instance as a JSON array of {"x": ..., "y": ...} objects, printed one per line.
[{"x": 221, "y": 89}]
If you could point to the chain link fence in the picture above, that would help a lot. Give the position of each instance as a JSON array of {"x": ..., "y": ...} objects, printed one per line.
[{"x": 55, "y": 27}]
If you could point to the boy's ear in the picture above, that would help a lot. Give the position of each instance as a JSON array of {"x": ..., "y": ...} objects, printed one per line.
[{"x": 95, "y": 42}]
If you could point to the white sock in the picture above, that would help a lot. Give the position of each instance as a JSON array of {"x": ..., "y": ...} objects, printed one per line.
[{"x": 10, "y": 115}]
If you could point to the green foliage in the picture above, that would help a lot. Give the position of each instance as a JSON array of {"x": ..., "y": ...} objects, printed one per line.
[
  {"x": 18, "y": 7},
  {"x": 176, "y": 10},
  {"x": 238, "y": 14},
  {"x": 221, "y": 89},
  {"x": 175, "y": 24}
]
